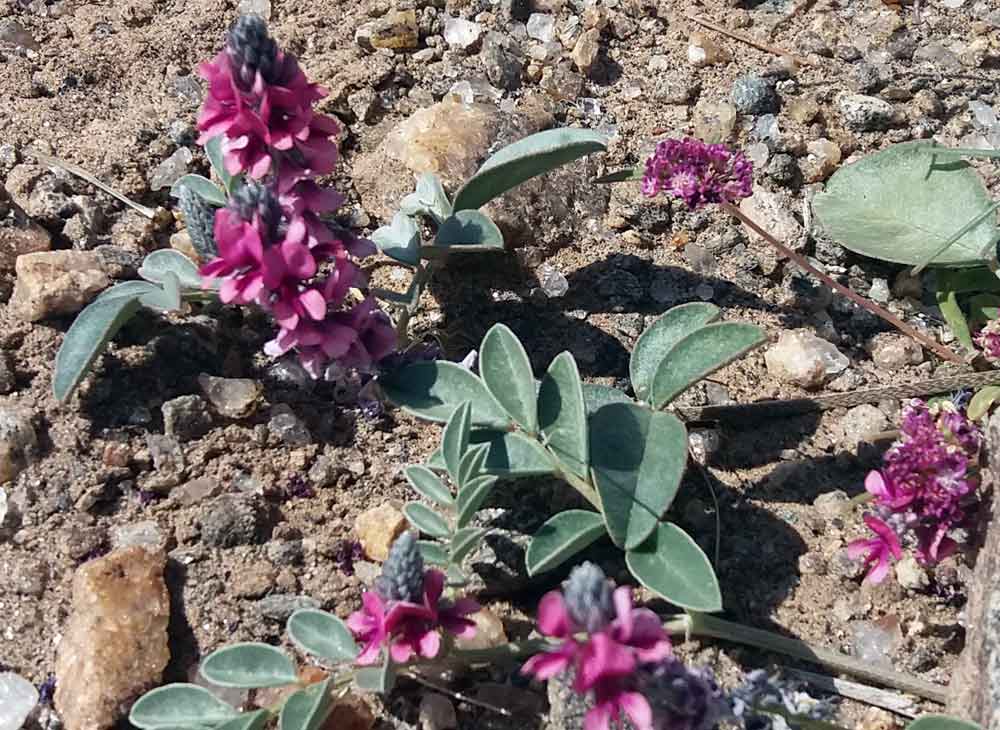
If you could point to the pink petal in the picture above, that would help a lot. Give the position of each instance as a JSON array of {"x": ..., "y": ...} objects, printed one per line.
[
  {"x": 637, "y": 709},
  {"x": 875, "y": 484},
  {"x": 598, "y": 717},
  {"x": 881, "y": 569},
  {"x": 433, "y": 587},
  {"x": 545, "y": 666},
  {"x": 602, "y": 657},
  {"x": 298, "y": 259},
  {"x": 429, "y": 644},
  {"x": 314, "y": 303},
  {"x": 622, "y": 598},
  {"x": 553, "y": 619},
  {"x": 401, "y": 651},
  {"x": 858, "y": 548}
]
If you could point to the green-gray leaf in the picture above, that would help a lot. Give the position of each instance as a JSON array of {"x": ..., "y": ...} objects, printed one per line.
[
  {"x": 428, "y": 484},
  {"x": 654, "y": 344},
  {"x": 472, "y": 496},
  {"x": 562, "y": 415},
  {"x": 165, "y": 299},
  {"x": 464, "y": 542},
  {"x": 472, "y": 464},
  {"x": 87, "y": 338},
  {"x": 323, "y": 635},
  {"x": 375, "y": 679},
  {"x": 308, "y": 708},
  {"x": 671, "y": 564},
  {"x": 902, "y": 204},
  {"x": 426, "y": 520},
  {"x": 562, "y": 537},
  {"x": 628, "y": 174},
  {"x": 157, "y": 265},
  {"x": 469, "y": 230},
  {"x": 595, "y": 396},
  {"x": 432, "y": 390},
  {"x": 511, "y": 455},
  {"x": 213, "y": 148},
  {"x": 247, "y": 721},
  {"x": 248, "y": 666},
  {"x": 638, "y": 457},
  {"x": 432, "y": 552},
  {"x": 455, "y": 439},
  {"x": 202, "y": 187},
  {"x": 941, "y": 722},
  {"x": 700, "y": 353},
  {"x": 178, "y": 705},
  {"x": 523, "y": 160},
  {"x": 505, "y": 369},
  {"x": 127, "y": 290},
  {"x": 952, "y": 312},
  {"x": 428, "y": 199},
  {"x": 982, "y": 401},
  {"x": 400, "y": 240}
]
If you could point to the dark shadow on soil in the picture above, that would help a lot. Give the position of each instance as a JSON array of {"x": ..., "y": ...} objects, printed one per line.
[{"x": 184, "y": 649}]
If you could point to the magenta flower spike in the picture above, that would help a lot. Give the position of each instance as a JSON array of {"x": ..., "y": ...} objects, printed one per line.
[
  {"x": 921, "y": 492},
  {"x": 406, "y": 613},
  {"x": 275, "y": 249},
  {"x": 697, "y": 173},
  {"x": 617, "y": 638}
]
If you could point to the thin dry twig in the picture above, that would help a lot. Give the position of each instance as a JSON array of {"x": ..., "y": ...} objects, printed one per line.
[
  {"x": 803, "y": 263},
  {"x": 420, "y": 679},
  {"x": 51, "y": 161},
  {"x": 896, "y": 702},
  {"x": 748, "y": 40}
]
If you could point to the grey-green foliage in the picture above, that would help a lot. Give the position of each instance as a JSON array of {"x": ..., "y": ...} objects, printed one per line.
[
  {"x": 463, "y": 463},
  {"x": 906, "y": 204},
  {"x": 627, "y": 457},
  {"x": 459, "y": 226},
  {"x": 254, "y": 666},
  {"x": 942, "y": 722},
  {"x": 169, "y": 276}
]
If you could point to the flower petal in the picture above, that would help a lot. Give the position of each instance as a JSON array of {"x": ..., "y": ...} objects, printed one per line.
[{"x": 553, "y": 618}]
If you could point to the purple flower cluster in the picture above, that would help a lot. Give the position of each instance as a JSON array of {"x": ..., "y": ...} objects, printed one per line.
[
  {"x": 988, "y": 340},
  {"x": 274, "y": 248},
  {"x": 697, "y": 173},
  {"x": 923, "y": 489}
]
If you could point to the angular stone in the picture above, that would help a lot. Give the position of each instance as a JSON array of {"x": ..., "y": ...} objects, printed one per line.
[
  {"x": 17, "y": 441},
  {"x": 396, "y": 30},
  {"x": 233, "y": 520},
  {"x": 586, "y": 49},
  {"x": 865, "y": 113},
  {"x": 54, "y": 283},
  {"x": 461, "y": 34},
  {"x": 802, "y": 358},
  {"x": 703, "y": 50},
  {"x": 437, "y": 713},
  {"x": 231, "y": 397},
  {"x": 186, "y": 417},
  {"x": 714, "y": 121},
  {"x": 894, "y": 352},
  {"x": 377, "y": 528},
  {"x": 542, "y": 27},
  {"x": 288, "y": 427},
  {"x": 18, "y": 698},
  {"x": 19, "y": 236},
  {"x": 771, "y": 212},
  {"x": 114, "y": 646},
  {"x": 489, "y": 632},
  {"x": 862, "y": 423},
  {"x": 171, "y": 169}
]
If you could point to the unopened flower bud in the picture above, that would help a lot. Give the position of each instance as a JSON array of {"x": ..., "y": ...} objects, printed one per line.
[
  {"x": 254, "y": 199},
  {"x": 199, "y": 218},
  {"x": 402, "y": 577},
  {"x": 588, "y": 596},
  {"x": 682, "y": 698},
  {"x": 251, "y": 50}
]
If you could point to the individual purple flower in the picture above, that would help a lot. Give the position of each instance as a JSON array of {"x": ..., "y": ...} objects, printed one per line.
[
  {"x": 876, "y": 551},
  {"x": 406, "y": 613},
  {"x": 619, "y": 638},
  {"x": 697, "y": 173}
]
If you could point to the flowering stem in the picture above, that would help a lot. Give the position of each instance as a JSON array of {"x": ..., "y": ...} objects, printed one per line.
[
  {"x": 701, "y": 624},
  {"x": 420, "y": 278},
  {"x": 866, "y": 304}
]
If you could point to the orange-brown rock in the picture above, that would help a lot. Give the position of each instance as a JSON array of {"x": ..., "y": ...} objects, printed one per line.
[{"x": 115, "y": 645}]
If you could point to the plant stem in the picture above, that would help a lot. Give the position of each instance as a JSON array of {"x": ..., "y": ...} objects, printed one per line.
[
  {"x": 866, "y": 304},
  {"x": 701, "y": 624},
  {"x": 420, "y": 278},
  {"x": 583, "y": 486}
]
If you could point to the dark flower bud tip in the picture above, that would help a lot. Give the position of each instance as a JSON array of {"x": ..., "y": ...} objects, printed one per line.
[
  {"x": 683, "y": 698},
  {"x": 402, "y": 577},
  {"x": 251, "y": 49},
  {"x": 253, "y": 199},
  {"x": 588, "y": 596}
]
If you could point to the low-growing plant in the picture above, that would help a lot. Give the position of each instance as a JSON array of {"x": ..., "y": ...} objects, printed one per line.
[
  {"x": 625, "y": 456},
  {"x": 262, "y": 225}
]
